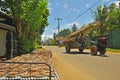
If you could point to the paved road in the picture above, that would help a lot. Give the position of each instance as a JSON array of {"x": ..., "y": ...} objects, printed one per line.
[{"x": 95, "y": 67}]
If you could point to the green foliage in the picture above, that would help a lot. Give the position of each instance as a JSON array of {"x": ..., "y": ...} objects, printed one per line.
[
  {"x": 25, "y": 45},
  {"x": 52, "y": 41},
  {"x": 74, "y": 28},
  {"x": 31, "y": 19},
  {"x": 113, "y": 50},
  {"x": 64, "y": 33},
  {"x": 101, "y": 15},
  {"x": 94, "y": 32},
  {"x": 108, "y": 17},
  {"x": 54, "y": 35},
  {"x": 114, "y": 19},
  {"x": 39, "y": 19}
]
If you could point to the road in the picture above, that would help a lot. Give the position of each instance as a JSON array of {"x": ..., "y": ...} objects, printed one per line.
[{"x": 76, "y": 66}]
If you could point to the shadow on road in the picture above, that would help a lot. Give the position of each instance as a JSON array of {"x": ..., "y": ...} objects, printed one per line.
[
  {"x": 75, "y": 52},
  {"x": 103, "y": 55},
  {"x": 83, "y": 53}
]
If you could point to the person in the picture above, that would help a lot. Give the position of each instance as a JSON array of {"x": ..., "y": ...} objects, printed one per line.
[
  {"x": 60, "y": 43},
  {"x": 81, "y": 39}
]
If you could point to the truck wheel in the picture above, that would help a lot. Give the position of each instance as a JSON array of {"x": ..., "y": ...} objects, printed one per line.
[
  {"x": 81, "y": 50},
  {"x": 67, "y": 48},
  {"x": 102, "y": 50},
  {"x": 93, "y": 50}
]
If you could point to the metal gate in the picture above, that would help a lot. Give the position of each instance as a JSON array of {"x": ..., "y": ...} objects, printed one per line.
[{"x": 8, "y": 76}]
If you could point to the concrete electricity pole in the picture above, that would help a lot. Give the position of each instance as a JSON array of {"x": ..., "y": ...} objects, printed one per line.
[{"x": 58, "y": 19}]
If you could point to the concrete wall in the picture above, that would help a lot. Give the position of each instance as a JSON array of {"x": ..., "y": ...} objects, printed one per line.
[
  {"x": 2, "y": 42},
  {"x": 3, "y": 32}
]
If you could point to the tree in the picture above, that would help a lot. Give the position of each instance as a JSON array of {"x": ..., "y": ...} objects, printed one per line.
[
  {"x": 114, "y": 17},
  {"x": 109, "y": 17},
  {"x": 101, "y": 15},
  {"x": 54, "y": 35},
  {"x": 51, "y": 41},
  {"x": 30, "y": 17},
  {"x": 74, "y": 28},
  {"x": 64, "y": 33}
]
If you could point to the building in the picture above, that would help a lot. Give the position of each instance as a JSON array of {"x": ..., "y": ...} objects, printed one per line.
[{"x": 7, "y": 31}]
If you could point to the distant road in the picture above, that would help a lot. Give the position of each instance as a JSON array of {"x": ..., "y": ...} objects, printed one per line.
[{"x": 76, "y": 66}]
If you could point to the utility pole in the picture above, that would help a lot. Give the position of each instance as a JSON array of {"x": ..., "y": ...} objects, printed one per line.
[{"x": 58, "y": 19}]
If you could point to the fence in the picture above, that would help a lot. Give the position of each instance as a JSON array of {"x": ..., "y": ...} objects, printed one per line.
[{"x": 114, "y": 39}]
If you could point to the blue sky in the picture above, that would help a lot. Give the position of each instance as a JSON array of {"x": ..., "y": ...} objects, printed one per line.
[{"x": 68, "y": 10}]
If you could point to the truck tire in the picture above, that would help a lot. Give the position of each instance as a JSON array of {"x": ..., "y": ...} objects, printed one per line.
[
  {"x": 67, "y": 48},
  {"x": 93, "y": 50},
  {"x": 81, "y": 50},
  {"x": 102, "y": 50}
]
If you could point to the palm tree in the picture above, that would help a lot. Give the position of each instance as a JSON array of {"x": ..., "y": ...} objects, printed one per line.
[{"x": 101, "y": 15}]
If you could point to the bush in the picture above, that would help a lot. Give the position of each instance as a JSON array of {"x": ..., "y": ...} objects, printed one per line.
[{"x": 25, "y": 45}]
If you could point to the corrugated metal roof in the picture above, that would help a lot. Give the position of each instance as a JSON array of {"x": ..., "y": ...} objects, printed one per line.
[
  {"x": 4, "y": 18},
  {"x": 7, "y": 27}
]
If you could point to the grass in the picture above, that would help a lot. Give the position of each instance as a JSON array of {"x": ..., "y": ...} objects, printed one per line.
[{"x": 113, "y": 50}]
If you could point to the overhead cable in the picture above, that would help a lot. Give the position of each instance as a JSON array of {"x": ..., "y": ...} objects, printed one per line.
[{"x": 85, "y": 11}]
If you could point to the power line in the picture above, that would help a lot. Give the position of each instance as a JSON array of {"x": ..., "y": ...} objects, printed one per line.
[
  {"x": 85, "y": 11},
  {"x": 77, "y": 5}
]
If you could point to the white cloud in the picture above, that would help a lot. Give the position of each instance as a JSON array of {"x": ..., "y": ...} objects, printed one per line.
[
  {"x": 57, "y": 3},
  {"x": 49, "y": 7},
  {"x": 47, "y": 28},
  {"x": 49, "y": 4},
  {"x": 65, "y": 6},
  {"x": 69, "y": 25},
  {"x": 54, "y": 31},
  {"x": 45, "y": 37},
  {"x": 117, "y": 3},
  {"x": 87, "y": 5},
  {"x": 76, "y": 10},
  {"x": 70, "y": 10}
]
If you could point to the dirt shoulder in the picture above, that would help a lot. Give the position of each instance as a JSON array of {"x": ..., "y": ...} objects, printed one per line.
[
  {"x": 112, "y": 52},
  {"x": 67, "y": 71}
]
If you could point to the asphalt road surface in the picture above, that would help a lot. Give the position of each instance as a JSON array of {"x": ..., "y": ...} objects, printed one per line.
[{"x": 77, "y": 66}]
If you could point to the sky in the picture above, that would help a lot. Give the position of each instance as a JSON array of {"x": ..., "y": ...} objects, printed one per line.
[{"x": 70, "y": 11}]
